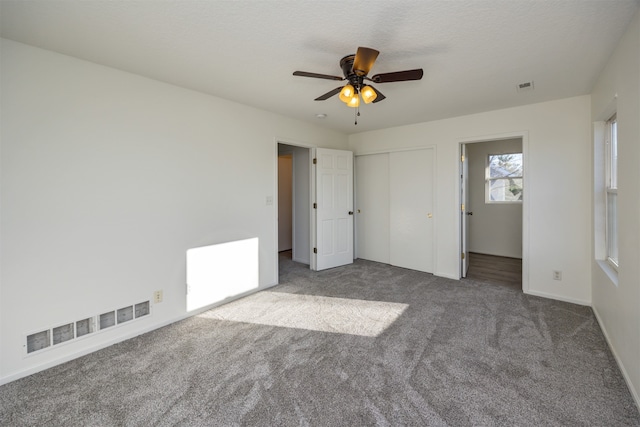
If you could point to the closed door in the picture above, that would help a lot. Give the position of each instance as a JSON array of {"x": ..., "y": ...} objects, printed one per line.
[
  {"x": 334, "y": 210},
  {"x": 372, "y": 207},
  {"x": 411, "y": 209}
]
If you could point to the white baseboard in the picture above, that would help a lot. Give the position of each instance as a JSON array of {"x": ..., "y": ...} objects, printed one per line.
[
  {"x": 83, "y": 352},
  {"x": 558, "y": 297},
  {"x": 632, "y": 389}
]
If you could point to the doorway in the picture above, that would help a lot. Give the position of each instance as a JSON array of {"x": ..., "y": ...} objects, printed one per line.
[
  {"x": 294, "y": 201},
  {"x": 285, "y": 202},
  {"x": 322, "y": 235},
  {"x": 493, "y": 203}
]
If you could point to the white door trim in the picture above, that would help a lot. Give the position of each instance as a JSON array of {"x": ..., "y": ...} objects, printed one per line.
[{"x": 464, "y": 222}]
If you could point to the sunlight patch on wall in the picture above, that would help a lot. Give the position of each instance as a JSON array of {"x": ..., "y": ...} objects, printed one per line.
[
  {"x": 221, "y": 271},
  {"x": 311, "y": 312}
]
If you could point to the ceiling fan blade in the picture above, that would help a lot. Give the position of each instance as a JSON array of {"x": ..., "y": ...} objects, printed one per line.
[
  {"x": 398, "y": 76},
  {"x": 329, "y": 94},
  {"x": 316, "y": 75},
  {"x": 380, "y": 96},
  {"x": 365, "y": 57}
]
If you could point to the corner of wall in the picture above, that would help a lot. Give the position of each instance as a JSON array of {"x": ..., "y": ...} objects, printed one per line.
[{"x": 625, "y": 374}]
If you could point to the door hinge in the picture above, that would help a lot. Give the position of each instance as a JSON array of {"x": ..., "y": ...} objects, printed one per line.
[
  {"x": 462, "y": 207},
  {"x": 462, "y": 255},
  {"x": 315, "y": 161},
  {"x": 315, "y": 250},
  {"x": 462, "y": 158},
  {"x": 315, "y": 206}
]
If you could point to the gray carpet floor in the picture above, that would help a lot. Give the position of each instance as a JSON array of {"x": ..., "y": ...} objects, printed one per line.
[{"x": 366, "y": 344}]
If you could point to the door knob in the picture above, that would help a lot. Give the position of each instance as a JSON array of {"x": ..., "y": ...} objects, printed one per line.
[
  {"x": 469, "y": 213},
  {"x": 350, "y": 212}
]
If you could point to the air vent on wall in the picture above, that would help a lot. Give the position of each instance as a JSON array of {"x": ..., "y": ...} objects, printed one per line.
[
  {"x": 107, "y": 320},
  {"x": 70, "y": 331},
  {"x": 84, "y": 327},
  {"x": 63, "y": 333},
  {"x": 525, "y": 86}
]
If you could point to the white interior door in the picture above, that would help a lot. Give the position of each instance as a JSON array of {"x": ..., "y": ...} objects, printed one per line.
[
  {"x": 334, "y": 208},
  {"x": 411, "y": 209},
  {"x": 464, "y": 220},
  {"x": 372, "y": 207}
]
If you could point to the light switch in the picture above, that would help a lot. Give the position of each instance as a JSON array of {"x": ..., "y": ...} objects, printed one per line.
[{"x": 269, "y": 200}]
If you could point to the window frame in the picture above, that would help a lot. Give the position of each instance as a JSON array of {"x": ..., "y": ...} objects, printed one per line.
[
  {"x": 489, "y": 180},
  {"x": 611, "y": 188}
]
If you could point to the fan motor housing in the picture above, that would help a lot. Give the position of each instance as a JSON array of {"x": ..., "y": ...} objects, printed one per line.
[{"x": 346, "y": 64}]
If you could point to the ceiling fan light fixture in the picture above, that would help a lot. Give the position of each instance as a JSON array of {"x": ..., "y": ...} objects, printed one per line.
[
  {"x": 347, "y": 93},
  {"x": 354, "y": 101},
  {"x": 355, "y": 70},
  {"x": 368, "y": 94}
]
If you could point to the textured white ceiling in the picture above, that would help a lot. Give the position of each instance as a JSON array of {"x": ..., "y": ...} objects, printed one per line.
[{"x": 473, "y": 52}]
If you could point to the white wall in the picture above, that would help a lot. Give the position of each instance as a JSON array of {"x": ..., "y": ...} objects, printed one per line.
[
  {"x": 494, "y": 228},
  {"x": 557, "y": 161},
  {"x": 107, "y": 179},
  {"x": 617, "y": 305}
]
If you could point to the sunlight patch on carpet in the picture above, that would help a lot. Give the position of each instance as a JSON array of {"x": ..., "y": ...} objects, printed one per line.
[{"x": 311, "y": 312}]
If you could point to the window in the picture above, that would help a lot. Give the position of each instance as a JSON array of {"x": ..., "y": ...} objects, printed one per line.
[
  {"x": 611, "y": 138},
  {"x": 504, "y": 178}
]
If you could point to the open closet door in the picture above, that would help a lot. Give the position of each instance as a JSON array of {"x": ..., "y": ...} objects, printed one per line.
[{"x": 334, "y": 208}]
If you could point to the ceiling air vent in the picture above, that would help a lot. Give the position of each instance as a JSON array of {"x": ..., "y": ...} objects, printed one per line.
[{"x": 525, "y": 86}]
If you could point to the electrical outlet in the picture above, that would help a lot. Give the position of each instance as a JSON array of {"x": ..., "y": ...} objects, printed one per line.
[
  {"x": 557, "y": 275},
  {"x": 157, "y": 297}
]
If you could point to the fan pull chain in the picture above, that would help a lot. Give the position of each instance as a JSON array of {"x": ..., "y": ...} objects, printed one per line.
[{"x": 357, "y": 113}]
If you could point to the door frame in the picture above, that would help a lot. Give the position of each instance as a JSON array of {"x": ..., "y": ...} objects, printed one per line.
[
  {"x": 312, "y": 196},
  {"x": 524, "y": 135},
  {"x": 464, "y": 200}
]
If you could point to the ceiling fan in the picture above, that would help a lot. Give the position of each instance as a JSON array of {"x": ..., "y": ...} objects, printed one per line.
[{"x": 355, "y": 69}]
